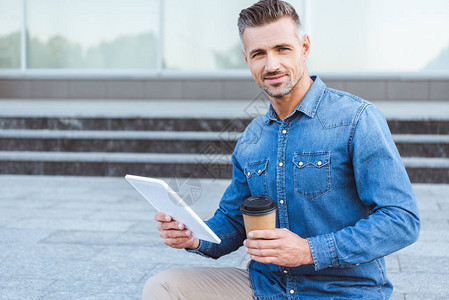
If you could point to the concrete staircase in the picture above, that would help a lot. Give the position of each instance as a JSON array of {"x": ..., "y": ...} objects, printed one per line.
[{"x": 165, "y": 139}]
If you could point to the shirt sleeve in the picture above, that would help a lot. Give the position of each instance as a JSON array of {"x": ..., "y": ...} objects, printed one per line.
[
  {"x": 227, "y": 222},
  {"x": 384, "y": 188}
]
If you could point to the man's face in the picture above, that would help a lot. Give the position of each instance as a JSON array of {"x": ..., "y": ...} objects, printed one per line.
[{"x": 276, "y": 56}]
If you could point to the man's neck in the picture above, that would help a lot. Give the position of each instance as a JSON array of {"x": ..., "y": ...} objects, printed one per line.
[{"x": 286, "y": 105}]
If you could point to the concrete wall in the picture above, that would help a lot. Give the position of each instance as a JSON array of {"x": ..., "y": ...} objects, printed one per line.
[{"x": 212, "y": 88}]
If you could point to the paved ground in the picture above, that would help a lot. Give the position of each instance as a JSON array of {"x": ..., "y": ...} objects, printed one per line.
[{"x": 94, "y": 238}]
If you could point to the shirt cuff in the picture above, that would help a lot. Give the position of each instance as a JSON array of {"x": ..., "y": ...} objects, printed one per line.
[
  {"x": 323, "y": 251},
  {"x": 202, "y": 249}
]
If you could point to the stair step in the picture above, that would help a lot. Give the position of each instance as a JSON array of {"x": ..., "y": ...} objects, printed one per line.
[
  {"x": 118, "y": 141},
  {"x": 125, "y": 124},
  {"x": 115, "y": 164},
  {"x": 421, "y": 138},
  {"x": 425, "y": 162},
  {"x": 427, "y": 170},
  {"x": 422, "y": 170},
  {"x": 127, "y": 135},
  {"x": 113, "y": 157},
  {"x": 397, "y": 126},
  {"x": 430, "y": 126},
  {"x": 175, "y": 135},
  {"x": 422, "y": 145},
  {"x": 174, "y": 142}
]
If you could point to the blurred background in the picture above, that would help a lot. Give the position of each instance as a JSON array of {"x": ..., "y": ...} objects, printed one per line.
[{"x": 156, "y": 36}]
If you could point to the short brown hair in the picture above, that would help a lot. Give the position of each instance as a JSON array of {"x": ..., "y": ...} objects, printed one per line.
[{"x": 266, "y": 12}]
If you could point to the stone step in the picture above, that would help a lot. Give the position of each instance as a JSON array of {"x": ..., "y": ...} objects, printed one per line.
[
  {"x": 420, "y": 170},
  {"x": 422, "y": 145},
  {"x": 427, "y": 170},
  {"x": 125, "y": 124},
  {"x": 186, "y": 123},
  {"x": 200, "y": 142},
  {"x": 119, "y": 141},
  {"x": 428, "y": 126},
  {"x": 115, "y": 164}
]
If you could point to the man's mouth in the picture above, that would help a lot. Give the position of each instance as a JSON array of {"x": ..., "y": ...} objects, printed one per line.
[{"x": 274, "y": 78}]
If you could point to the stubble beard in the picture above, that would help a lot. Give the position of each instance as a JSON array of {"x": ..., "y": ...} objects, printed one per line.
[{"x": 279, "y": 91}]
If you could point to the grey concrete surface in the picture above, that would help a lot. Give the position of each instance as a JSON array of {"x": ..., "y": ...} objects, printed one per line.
[
  {"x": 175, "y": 108},
  {"x": 95, "y": 238}
]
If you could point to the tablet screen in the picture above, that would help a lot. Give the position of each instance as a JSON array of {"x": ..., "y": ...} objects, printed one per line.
[{"x": 166, "y": 200}]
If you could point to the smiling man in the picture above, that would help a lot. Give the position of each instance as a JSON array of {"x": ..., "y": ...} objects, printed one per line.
[
  {"x": 328, "y": 159},
  {"x": 276, "y": 54}
]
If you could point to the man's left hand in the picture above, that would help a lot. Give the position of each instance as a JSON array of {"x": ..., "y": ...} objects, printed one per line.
[{"x": 280, "y": 247}]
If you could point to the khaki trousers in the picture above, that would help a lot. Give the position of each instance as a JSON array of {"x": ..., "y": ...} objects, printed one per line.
[{"x": 199, "y": 283}]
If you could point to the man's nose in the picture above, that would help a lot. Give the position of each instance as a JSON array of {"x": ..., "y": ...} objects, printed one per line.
[{"x": 272, "y": 63}]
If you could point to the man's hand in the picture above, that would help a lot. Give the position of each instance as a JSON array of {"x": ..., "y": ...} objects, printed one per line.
[
  {"x": 174, "y": 234},
  {"x": 280, "y": 247}
]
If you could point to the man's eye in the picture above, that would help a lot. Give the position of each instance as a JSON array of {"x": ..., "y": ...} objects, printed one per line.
[
  {"x": 283, "y": 49},
  {"x": 257, "y": 54}
]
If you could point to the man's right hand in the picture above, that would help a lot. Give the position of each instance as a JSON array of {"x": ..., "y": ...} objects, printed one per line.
[{"x": 174, "y": 234}]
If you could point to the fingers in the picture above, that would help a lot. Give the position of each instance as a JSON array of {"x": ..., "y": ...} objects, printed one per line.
[
  {"x": 265, "y": 260},
  {"x": 262, "y": 252},
  {"x": 177, "y": 238},
  {"x": 171, "y": 226},
  {"x": 280, "y": 247},
  {"x": 174, "y": 234},
  {"x": 161, "y": 217},
  {"x": 179, "y": 242},
  {"x": 167, "y": 222},
  {"x": 262, "y": 244},
  {"x": 267, "y": 234}
]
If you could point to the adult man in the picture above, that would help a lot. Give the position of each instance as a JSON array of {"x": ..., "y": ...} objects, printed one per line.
[{"x": 328, "y": 159}]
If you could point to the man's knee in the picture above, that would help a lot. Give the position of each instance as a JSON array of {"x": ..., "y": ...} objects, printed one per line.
[
  {"x": 164, "y": 285},
  {"x": 199, "y": 283}
]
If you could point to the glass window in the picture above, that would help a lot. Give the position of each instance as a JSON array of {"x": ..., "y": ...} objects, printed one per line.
[
  {"x": 10, "y": 25},
  {"x": 378, "y": 35},
  {"x": 202, "y": 34},
  {"x": 93, "y": 34},
  {"x": 347, "y": 36}
]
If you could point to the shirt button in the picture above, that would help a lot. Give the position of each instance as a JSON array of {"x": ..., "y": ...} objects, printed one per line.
[
  {"x": 285, "y": 271},
  {"x": 282, "y": 202},
  {"x": 320, "y": 163},
  {"x": 300, "y": 163},
  {"x": 260, "y": 171},
  {"x": 284, "y": 131},
  {"x": 281, "y": 164},
  {"x": 249, "y": 174},
  {"x": 292, "y": 291}
]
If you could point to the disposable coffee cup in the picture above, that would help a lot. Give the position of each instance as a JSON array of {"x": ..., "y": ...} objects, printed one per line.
[{"x": 259, "y": 213}]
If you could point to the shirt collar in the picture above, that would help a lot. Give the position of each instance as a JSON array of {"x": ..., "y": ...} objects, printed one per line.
[
  {"x": 271, "y": 115},
  {"x": 309, "y": 104}
]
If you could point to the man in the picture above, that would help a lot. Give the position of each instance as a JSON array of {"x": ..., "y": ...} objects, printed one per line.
[{"x": 328, "y": 159}]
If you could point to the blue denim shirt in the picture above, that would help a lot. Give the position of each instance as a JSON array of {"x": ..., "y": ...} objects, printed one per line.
[{"x": 343, "y": 186}]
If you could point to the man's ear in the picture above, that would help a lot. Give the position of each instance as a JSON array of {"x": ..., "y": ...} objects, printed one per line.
[
  {"x": 306, "y": 46},
  {"x": 244, "y": 55}
]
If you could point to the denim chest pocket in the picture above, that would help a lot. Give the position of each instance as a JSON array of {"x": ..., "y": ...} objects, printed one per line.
[
  {"x": 312, "y": 174},
  {"x": 256, "y": 175}
]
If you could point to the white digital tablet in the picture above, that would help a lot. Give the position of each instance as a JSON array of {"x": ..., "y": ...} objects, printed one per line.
[{"x": 166, "y": 200}]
